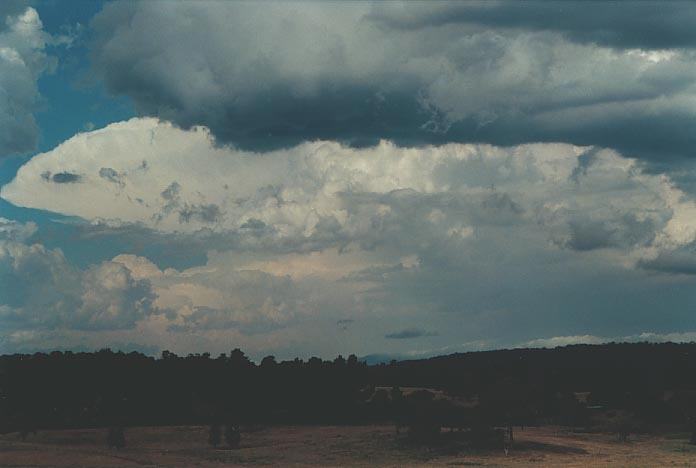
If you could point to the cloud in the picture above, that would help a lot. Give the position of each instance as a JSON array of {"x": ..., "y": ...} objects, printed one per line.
[
  {"x": 652, "y": 337},
  {"x": 110, "y": 175},
  {"x": 15, "y": 231},
  {"x": 344, "y": 324},
  {"x": 273, "y": 75},
  {"x": 41, "y": 290},
  {"x": 681, "y": 261},
  {"x": 322, "y": 194},
  {"x": 649, "y": 25},
  {"x": 233, "y": 292},
  {"x": 507, "y": 243},
  {"x": 626, "y": 230},
  {"x": 409, "y": 333},
  {"x": 164, "y": 185},
  {"x": 22, "y": 60},
  {"x": 113, "y": 299},
  {"x": 46, "y": 341},
  {"x": 62, "y": 177}
]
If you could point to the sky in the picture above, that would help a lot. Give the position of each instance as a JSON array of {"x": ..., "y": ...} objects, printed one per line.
[{"x": 322, "y": 178}]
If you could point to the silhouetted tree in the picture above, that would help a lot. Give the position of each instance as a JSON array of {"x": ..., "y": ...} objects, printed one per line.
[
  {"x": 238, "y": 358},
  {"x": 268, "y": 361}
]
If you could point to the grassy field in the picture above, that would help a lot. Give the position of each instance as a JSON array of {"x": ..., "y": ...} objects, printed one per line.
[{"x": 336, "y": 446}]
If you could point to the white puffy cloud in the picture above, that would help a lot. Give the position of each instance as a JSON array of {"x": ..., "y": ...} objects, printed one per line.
[
  {"x": 14, "y": 231},
  {"x": 22, "y": 60},
  {"x": 112, "y": 298},
  {"x": 322, "y": 194},
  {"x": 231, "y": 292}
]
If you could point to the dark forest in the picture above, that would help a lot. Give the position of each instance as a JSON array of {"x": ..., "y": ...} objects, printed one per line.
[{"x": 617, "y": 387}]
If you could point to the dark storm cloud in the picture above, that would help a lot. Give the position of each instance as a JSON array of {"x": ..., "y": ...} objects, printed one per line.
[
  {"x": 642, "y": 24},
  {"x": 409, "y": 333},
  {"x": 416, "y": 73}
]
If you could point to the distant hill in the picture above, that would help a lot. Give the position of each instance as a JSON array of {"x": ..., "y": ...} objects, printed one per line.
[
  {"x": 569, "y": 368},
  {"x": 374, "y": 359}
]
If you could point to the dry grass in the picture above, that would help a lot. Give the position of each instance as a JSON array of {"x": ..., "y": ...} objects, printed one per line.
[{"x": 336, "y": 446}]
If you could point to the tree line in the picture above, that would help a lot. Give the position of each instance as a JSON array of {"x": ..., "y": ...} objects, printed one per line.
[{"x": 646, "y": 386}]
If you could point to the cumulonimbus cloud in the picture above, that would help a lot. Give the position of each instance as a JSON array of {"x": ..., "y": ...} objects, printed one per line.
[
  {"x": 469, "y": 236},
  {"x": 322, "y": 195}
]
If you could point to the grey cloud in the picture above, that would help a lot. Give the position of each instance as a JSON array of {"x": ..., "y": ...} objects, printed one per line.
[
  {"x": 172, "y": 191},
  {"x": 619, "y": 231},
  {"x": 375, "y": 274},
  {"x": 205, "y": 318},
  {"x": 172, "y": 200},
  {"x": 247, "y": 322},
  {"x": 344, "y": 324},
  {"x": 681, "y": 261},
  {"x": 585, "y": 160},
  {"x": 590, "y": 235},
  {"x": 16, "y": 231},
  {"x": 645, "y": 24},
  {"x": 472, "y": 296},
  {"x": 207, "y": 214},
  {"x": 253, "y": 223},
  {"x": 415, "y": 73},
  {"x": 66, "y": 178},
  {"x": 62, "y": 177},
  {"x": 409, "y": 333},
  {"x": 111, "y": 175},
  {"x": 502, "y": 203}
]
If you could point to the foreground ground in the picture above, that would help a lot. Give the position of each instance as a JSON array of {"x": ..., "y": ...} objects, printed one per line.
[{"x": 336, "y": 446}]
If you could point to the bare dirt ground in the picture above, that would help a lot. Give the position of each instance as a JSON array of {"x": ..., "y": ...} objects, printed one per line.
[{"x": 336, "y": 446}]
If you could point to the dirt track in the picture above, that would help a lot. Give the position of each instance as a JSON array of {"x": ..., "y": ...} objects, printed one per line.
[{"x": 335, "y": 446}]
